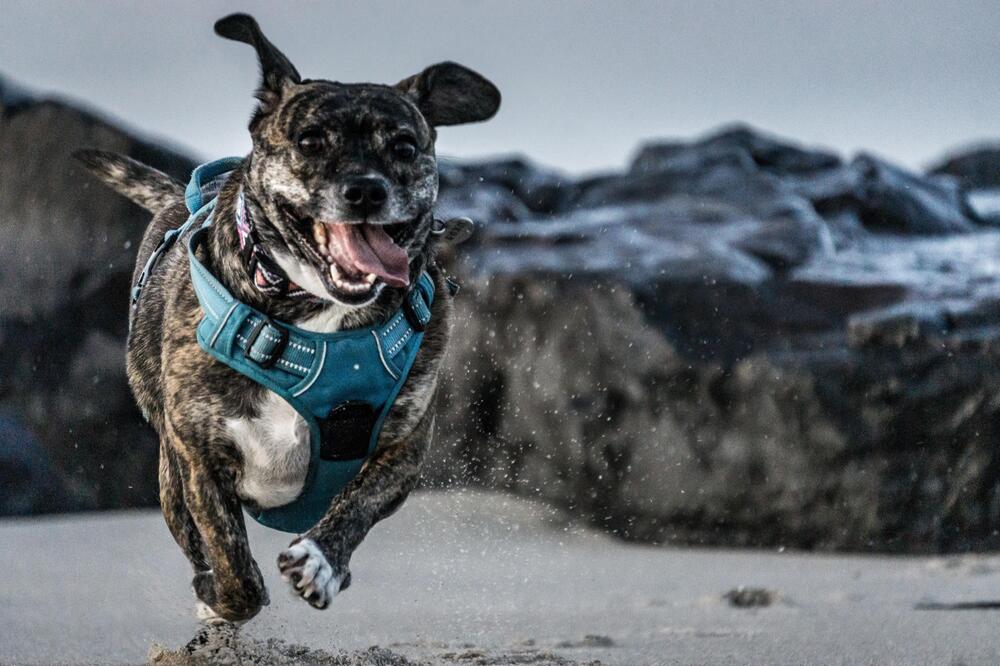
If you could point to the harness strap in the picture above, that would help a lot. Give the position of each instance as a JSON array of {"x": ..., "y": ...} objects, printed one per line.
[
  {"x": 231, "y": 324},
  {"x": 193, "y": 199},
  {"x": 194, "y": 193}
]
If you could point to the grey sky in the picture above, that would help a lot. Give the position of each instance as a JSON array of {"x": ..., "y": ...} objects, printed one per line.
[{"x": 582, "y": 81}]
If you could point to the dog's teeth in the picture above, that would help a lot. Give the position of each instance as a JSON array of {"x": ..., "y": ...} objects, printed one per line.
[
  {"x": 319, "y": 234},
  {"x": 350, "y": 284}
]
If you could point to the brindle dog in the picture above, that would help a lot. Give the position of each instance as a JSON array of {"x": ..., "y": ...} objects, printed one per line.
[{"x": 340, "y": 185}]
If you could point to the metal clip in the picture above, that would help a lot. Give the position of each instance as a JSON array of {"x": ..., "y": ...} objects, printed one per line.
[{"x": 453, "y": 231}]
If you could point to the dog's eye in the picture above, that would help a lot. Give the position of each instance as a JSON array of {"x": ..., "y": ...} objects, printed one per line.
[
  {"x": 404, "y": 149},
  {"x": 310, "y": 142}
]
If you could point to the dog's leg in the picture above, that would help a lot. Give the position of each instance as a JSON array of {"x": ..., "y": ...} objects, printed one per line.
[
  {"x": 184, "y": 531},
  {"x": 175, "y": 511},
  {"x": 231, "y": 584},
  {"x": 316, "y": 564},
  {"x": 178, "y": 518}
]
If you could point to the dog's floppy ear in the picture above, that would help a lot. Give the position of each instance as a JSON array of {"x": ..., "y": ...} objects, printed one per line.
[
  {"x": 449, "y": 94},
  {"x": 275, "y": 69}
]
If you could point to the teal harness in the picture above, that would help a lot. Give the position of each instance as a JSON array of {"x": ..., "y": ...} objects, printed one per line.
[{"x": 343, "y": 384}]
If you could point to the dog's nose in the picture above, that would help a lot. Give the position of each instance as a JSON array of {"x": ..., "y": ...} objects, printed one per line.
[{"x": 366, "y": 193}]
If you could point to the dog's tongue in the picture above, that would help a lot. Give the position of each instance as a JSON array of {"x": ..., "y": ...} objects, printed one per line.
[{"x": 367, "y": 248}]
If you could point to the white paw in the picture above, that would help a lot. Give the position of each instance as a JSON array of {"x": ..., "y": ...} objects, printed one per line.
[
  {"x": 307, "y": 570},
  {"x": 205, "y": 613}
]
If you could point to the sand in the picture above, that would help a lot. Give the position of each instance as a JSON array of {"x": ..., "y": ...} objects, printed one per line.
[
  {"x": 483, "y": 579},
  {"x": 223, "y": 645}
]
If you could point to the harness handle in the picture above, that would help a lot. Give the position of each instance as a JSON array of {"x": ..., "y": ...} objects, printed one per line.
[{"x": 205, "y": 174}]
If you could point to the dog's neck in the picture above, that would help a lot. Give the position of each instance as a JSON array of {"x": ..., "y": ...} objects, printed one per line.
[{"x": 227, "y": 262}]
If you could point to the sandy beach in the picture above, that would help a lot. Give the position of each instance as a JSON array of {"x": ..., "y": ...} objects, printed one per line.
[{"x": 480, "y": 578}]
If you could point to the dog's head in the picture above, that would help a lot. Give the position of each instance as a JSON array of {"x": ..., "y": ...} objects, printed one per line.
[{"x": 346, "y": 173}]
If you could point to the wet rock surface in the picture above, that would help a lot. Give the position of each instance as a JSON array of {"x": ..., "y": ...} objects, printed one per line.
[{"x": 735, "y": 340}]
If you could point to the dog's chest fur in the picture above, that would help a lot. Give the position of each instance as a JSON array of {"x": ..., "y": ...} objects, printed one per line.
[
  {"x": 275, "y": 449},
  {"x": 275, "y": 443}
]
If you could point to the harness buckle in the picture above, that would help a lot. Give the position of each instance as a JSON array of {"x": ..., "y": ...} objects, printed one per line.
[{"x": 273, "y": 346}]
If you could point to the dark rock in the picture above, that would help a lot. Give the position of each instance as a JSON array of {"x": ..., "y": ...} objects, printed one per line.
[
  {"x": 540, "y": 190},
  {"x": 66, "y": 258},
  {"x": 896, "y": 200},
  {"x": 750, "y": 597},
  {"x": 13, "y": 97},
  {"x": 787, "y": 241},
  {"x": 985, "y": 205},
  {"x": 766, "y": 176},
  {"x": 29, "y": 483},
  {"x": 588, "y": 641},
  {"x": 740, "y": 142},
  {"x": 805, "y": 441},
  {"x": 695, "y": 159},
  {"x": 734, "y": 181},
  {"x": 708, "y": 352},
  {"x": 634, "y": 243},
  {"x": 977, "y": 167},
  {"x": 898, "y": 325}
]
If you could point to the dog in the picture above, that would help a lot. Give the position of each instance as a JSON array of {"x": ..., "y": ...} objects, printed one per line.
[{"x": 340, "y": 186}]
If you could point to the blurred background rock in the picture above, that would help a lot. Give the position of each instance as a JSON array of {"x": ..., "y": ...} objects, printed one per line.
[{"x": 736, "y": 340}]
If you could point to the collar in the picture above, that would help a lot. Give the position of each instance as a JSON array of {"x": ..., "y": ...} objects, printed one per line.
[{"x": 267, "y": 274}]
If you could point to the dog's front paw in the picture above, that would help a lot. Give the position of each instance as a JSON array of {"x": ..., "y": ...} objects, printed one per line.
[
  {"x": 310, "y": 573},
  {"x": 204, "y": 612},
  {"x": 237, "y": 603}
]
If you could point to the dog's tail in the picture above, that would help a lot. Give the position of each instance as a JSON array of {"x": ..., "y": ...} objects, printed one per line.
[{"x": 146, "y": 186}]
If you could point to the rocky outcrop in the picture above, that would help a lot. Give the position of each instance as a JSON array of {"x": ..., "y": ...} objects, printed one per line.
[
  {"x": 977, "y": 171},
  {"x": 735, "y": 340},
  {"x": 67, "y": 248},
  {"x": 976, "y": 167}
]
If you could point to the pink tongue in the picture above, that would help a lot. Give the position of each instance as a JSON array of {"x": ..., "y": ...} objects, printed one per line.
[{"x": 367, "y": 248}]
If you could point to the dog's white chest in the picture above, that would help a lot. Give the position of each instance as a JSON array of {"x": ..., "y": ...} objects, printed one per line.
[
  {"x": 275, "y": 444},
  {"x": 275, "y": 448}
]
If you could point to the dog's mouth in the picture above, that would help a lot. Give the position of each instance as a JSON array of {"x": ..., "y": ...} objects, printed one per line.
[{"x": 355, "y": 259}]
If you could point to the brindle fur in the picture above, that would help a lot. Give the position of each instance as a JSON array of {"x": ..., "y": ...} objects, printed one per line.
[
  {"x": 150, "y": 188},
  {"x": 188, "y": 397}
]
